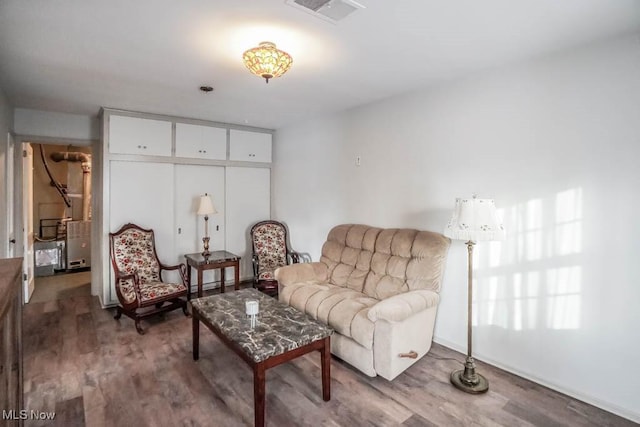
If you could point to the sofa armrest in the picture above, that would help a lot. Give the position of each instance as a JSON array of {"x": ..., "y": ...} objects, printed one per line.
[
  {"x": 402, "y": 306},
  {"x": 307, "y": 272}
]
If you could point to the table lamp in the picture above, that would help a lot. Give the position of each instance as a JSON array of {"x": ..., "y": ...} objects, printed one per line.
[{"x": 206, "y": 208}]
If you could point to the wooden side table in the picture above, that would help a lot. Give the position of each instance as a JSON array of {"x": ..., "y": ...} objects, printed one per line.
[{"x": 216, "y": 260}]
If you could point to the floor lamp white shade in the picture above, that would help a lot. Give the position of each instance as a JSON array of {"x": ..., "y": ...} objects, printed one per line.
[{"x": 473, "y": 220}]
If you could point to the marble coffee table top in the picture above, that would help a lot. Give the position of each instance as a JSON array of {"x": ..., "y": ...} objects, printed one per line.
[{"x": 279, "y": 327}]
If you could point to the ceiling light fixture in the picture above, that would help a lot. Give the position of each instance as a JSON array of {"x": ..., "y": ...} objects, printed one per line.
[{"x": 267, "y": 61}]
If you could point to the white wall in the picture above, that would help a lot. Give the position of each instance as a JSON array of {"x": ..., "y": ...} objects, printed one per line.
[
  {"x": 56, "y": 125},
  {"x": 556, "y": 142},
  {"x": 309, "y": 194},
  {"x": 6, "y": 117}
]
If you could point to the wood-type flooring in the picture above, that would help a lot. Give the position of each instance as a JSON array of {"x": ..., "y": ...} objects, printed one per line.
[{"x": 95, "y": 371}]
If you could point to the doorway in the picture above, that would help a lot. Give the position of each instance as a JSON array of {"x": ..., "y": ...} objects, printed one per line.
[{"x": 56, "y": 218}]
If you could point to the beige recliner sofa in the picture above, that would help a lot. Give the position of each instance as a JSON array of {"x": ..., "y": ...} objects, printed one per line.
[{"x": 378, "y": 288}]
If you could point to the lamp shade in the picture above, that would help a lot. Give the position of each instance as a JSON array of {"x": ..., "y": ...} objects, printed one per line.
[
  {"x": 474, "y": 220},
  {"x": 206, "y": 206}
]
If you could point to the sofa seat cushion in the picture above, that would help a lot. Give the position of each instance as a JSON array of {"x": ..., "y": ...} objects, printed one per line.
[{"x": 344, "y": 309}]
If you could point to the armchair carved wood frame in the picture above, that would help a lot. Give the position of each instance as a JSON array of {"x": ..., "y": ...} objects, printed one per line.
[
  {"x": 270, "y": 251},
  {"x": 138, "y": 276}
]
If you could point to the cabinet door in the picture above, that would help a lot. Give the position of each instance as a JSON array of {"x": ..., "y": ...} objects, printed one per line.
[
  {"x": 142, "y": 193},
  {"x": 250, "y": 146},
  {"x": 201, "y": 142},
  {"x": 132, "y": 135},
  {"x": 191, "y": 182},
  {"x": 248, "y": 198}
]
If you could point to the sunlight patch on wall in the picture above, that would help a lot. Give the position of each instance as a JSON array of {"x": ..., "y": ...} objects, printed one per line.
[
  {"x": 496, "y": 310},
  {"x": 531, "y": 237},
  {"x": 563, "y": 297},
  {"x": 568, "y": 236},
  {"x": 495, "y": 254},
  {"x": 526, "y": 289},
  {"x": 531, "y": 280}
]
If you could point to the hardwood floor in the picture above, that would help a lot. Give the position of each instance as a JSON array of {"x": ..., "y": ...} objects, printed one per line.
[
  {"x": 61, "y": 286},
  {"x": 95, "y": 371}
]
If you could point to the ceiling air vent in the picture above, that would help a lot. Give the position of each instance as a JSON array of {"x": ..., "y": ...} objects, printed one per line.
[{"x": 329, "y": 10}]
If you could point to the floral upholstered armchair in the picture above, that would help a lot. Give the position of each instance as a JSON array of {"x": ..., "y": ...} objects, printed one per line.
[
  {"x": 270, "y": 251},
  {"x": 138, "y": 276}
]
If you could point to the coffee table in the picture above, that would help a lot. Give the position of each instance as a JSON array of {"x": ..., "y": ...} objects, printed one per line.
[{"x": 281, "y": 334}]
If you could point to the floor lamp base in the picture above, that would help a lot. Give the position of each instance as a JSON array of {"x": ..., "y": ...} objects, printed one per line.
[{"x": 468, "y": 381}]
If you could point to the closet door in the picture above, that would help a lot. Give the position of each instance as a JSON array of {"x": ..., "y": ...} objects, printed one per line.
[
  {"x": 248, "y": 199},
  {"x": 142, "y": 193},
  {"x": 191, "y": 182}
]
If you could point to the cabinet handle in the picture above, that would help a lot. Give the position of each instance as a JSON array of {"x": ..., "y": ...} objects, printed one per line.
[
  {"x": 145, "y": 147},
  {"x": 139, "y": 146}
]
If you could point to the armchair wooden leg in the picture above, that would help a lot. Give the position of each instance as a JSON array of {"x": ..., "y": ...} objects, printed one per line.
[
  {"x": 118, "y": 313},
  {"x": 138, "y": 327}
]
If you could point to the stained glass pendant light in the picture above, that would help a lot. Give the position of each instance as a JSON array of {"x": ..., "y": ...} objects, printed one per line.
[{"x": 267, "y": 61}]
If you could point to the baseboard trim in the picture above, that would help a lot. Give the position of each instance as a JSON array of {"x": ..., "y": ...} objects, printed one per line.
[{"x": 604, "y": 405}]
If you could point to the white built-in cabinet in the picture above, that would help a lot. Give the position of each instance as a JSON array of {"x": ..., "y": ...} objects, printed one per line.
[
  {"x": 132, "y": 135},
  {"x": 192, "y": 181},
  {"x": 248, "y": 146},
  {"x": 158, "y": 186},
  {"x": 248, "y": 201},
  {"x": 201, "y": 142}
]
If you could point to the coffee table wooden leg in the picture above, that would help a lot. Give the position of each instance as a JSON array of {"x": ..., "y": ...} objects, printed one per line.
[
  {"x": 325, "y": 362},
  {"x": 222, "y": 280},
  {"x": 259, "y": 394},
  {"x": 196, "y": 335}
]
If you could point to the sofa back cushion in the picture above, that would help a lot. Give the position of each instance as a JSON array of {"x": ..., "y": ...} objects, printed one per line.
[
  {"x": 384, "y": 262},
  {"x": 347, "y": 254}
]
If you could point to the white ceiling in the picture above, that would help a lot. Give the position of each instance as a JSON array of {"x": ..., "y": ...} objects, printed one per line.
[{"x": 152, "y": 55}]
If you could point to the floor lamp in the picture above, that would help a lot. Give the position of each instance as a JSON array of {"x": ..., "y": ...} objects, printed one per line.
[
  {"x": 206, "y": 208},
  {"x": 473, "y": 220}
]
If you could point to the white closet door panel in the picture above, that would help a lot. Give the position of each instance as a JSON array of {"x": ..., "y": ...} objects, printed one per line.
[
  {"x": 191, "y": 182},
  {"x": 249, "y": 146},
  {"x": 142, "y": 193},
  {"x": 248, "y": 201},
  {"x": 201, "y": 142},
  {"x": 133, "y": 135}
]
